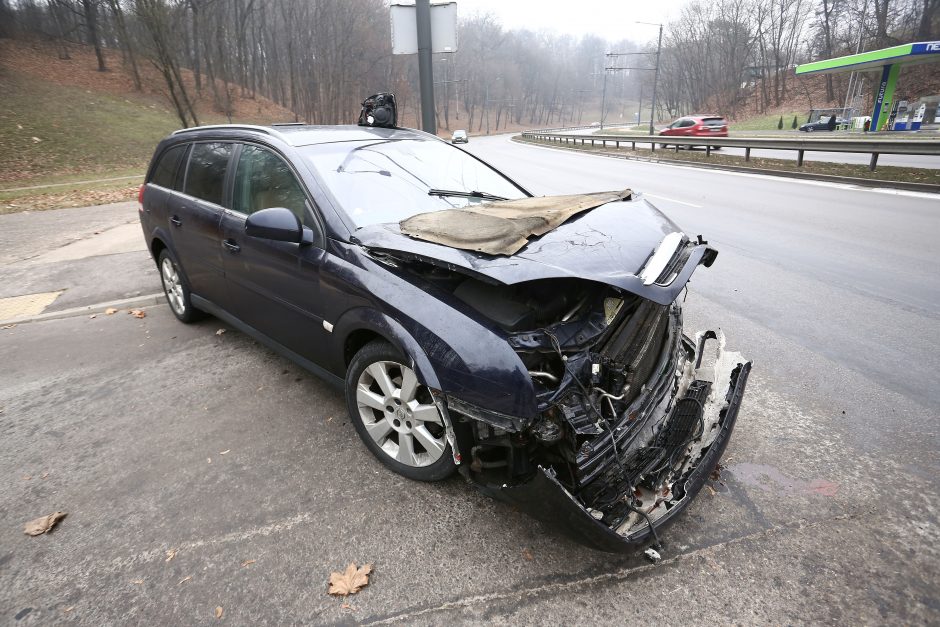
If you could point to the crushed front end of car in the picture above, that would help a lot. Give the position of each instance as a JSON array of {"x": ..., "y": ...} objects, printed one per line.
[
  {"x": 633, "y": 417},
  {"x": 630, "y": 416}
]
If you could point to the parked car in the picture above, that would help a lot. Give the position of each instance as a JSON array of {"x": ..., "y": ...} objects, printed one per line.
[
  {"x": 696, "y": 126},
  {"x": 824, "y": 123},
  {"x": 535, "y": 344},
  {"x": 459, "y": 137}
]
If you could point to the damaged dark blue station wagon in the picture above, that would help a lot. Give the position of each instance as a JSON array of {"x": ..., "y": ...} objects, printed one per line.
[{"x": 534, "y": 344}]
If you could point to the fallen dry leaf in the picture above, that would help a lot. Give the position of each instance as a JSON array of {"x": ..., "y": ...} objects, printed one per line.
[
  {"x": 711, "y": 490},
  {"x": 220, "y": 332},
  {"x": 526, "y": 553},
  {"x": 219, "y": 611},
  {"x": 185, "y": 579},
  {"x": 209, "y": 460},
  {"x": 8, "y": 326},
  {"x": 226, "y": 451},
  {"x": 36, "y": 140},
  {"x": 137, "y": 582},
  {"x": 351, "y": 581},
  {"x": 138, "y": 313},
  {"x": 43, "y": 524},
  {"x": 93, "y": 316},
  {"x": 110, "y": 311},
  {"x": 171, "y": 554}
]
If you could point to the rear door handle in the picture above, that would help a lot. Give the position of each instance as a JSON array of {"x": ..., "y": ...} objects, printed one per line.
[
  {"x": 231, "y": 246},
  {"x": 175, "y": 220}
]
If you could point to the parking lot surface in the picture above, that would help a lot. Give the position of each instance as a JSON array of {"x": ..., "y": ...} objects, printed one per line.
[{"x": 161, "y": 439}]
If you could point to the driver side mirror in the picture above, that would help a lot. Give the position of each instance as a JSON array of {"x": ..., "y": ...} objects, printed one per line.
[{"x": 278, "y": 224}]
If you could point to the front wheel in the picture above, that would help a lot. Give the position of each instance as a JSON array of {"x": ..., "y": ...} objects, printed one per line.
[
  {"x": 396, "y": 416},
  {"x": 175, "y": 288}
]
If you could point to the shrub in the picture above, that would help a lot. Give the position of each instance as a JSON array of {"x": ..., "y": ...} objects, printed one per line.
[{"x": 780, "y": 123}]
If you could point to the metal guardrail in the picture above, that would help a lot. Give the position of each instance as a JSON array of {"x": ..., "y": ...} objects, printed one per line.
[{"x": 874, "y": 147}]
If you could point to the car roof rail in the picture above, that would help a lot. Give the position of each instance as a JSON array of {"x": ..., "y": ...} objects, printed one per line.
[{"x": 237, "y": 127}]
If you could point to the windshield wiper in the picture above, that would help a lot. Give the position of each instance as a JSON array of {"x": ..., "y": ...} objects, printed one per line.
[{"x": 460, "y": 194}]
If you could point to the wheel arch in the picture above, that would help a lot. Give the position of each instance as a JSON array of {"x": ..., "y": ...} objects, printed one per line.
[{"x": 357, "y": 327}]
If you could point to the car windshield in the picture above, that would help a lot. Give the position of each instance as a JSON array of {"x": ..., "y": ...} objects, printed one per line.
[{"x": 381, "y": 181}]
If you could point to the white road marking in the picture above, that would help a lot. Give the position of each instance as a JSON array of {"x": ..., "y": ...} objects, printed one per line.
[{"x": 681, "y": 202}]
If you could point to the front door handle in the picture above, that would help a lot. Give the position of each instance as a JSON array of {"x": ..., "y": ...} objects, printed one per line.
[
  {"x": 175, "y": 220},
  {"x": 231, "y": 246}
]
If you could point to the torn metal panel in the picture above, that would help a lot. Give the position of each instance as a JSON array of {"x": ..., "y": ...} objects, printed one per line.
[{"x": 503, "y": 227}]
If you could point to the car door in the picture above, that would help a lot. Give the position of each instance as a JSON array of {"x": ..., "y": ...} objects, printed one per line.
[
  {"x": 194, "y": 217},
  {"x": 273, "y": 286}
]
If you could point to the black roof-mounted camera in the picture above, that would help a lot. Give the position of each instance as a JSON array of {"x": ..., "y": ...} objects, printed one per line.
[{"x": 379, "y": 110}]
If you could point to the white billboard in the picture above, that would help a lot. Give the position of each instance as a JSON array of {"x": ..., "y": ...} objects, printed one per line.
[{"x": 405, "y": 29}]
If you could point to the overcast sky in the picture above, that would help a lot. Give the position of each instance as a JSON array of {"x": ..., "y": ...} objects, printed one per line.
[{"x": 610, "y": 19}]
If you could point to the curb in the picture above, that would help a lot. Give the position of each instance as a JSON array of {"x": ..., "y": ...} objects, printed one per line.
[
  {"x": 846, "y": 180},
  {"x": 126, "y": 303}
]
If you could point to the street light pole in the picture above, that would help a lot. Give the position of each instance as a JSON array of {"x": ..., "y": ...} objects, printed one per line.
[{"x": 604, "y": 97}]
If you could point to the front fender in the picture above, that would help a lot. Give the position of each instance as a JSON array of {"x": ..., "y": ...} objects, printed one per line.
[{"x": 368, "y": 319}]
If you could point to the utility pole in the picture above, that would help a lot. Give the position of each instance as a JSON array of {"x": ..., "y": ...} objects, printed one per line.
[
  {"x": 425, "y": 70},
  {"x": 659, "y": 48},
  {"x": 604, "y": 97}
]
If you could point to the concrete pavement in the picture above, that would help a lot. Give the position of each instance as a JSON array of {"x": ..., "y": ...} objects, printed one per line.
[{"x": 826, "y": 510}]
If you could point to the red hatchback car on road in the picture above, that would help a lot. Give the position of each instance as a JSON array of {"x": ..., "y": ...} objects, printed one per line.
[{"x": 697, "y": 126}]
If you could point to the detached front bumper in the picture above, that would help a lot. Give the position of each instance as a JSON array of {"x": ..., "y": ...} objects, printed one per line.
[{"x": 545, "y": 498}]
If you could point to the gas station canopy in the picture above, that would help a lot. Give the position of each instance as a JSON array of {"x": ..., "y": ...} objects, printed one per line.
[{"x": 888, "y": 61}]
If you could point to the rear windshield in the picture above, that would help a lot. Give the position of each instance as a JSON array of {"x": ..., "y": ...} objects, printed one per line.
[
  {"x": 713, "y": 121},
  {"x": 387, "y": 180}
]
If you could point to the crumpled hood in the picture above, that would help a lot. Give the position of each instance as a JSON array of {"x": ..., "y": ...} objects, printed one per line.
[{"x": 626, "y": 244}]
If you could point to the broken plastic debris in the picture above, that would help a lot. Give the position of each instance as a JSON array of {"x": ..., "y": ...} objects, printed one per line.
[
  {"x": 652, "y": 555},
  {"x": 43, "y": 524}
]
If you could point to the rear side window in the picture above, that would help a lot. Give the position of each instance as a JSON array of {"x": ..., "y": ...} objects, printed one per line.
[
  {"x": 714, "y": 122},
  {"x": 685, "y": 123},
  {"x": 206, "y": 174},
  {"x": 164, "y": 174}
]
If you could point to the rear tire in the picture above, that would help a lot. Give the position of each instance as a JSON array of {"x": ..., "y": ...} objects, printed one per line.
[
  {"x": 395, "y": 415},
  {"x": 176, "y": 289}
]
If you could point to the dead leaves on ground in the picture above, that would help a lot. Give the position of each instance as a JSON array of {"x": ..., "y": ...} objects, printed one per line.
[
  {"x": 171, "y": 554},
  {"x": 43, "y": 524},
  {"x": 219, "y": 611},
  {"x": 351, "y": 581},
  {"x": 110, "y": 311},
  {"x": 220, "y": 332},
  {"x": 138, "y": 313}
]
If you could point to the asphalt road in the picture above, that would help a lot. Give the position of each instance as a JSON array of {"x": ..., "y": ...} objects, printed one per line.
[
  {"x": 902, "y": 161},
  {"x": 157, "y": 436}
]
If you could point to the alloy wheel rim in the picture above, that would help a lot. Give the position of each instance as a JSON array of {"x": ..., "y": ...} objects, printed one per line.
[
  {"x": 399, "y": 414},
  {"x": 172, "y": 286}
]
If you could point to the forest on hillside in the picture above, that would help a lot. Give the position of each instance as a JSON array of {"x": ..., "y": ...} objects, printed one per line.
[{"x": 320, "y": 58}]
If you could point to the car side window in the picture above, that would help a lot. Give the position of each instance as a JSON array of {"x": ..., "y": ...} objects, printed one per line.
[
  {"x": 686, "y": 123},
  {"x": 264, "y": 180},
  {"x": 206, "y": 176},
  {"x": 164, "y": 174}
]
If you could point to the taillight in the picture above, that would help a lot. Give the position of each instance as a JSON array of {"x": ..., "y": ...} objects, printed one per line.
[{"x": 140, "y": 197}]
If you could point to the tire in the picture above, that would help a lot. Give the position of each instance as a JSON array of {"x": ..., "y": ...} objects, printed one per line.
[
  {"x": 395, "y": 415},
  {"x": 176, "y": 289},
  {"x": 810, "y": 129}
]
